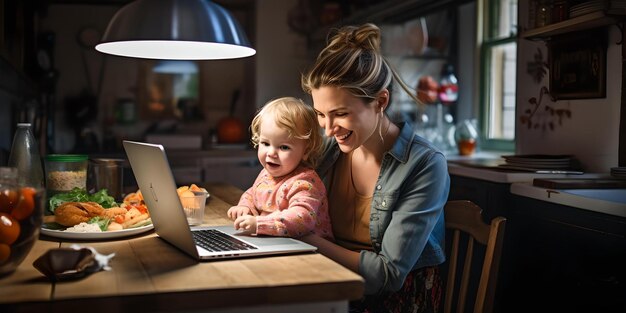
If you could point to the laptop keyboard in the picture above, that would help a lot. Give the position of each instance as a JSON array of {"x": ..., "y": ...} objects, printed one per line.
[{"x": 214, "y": 240}]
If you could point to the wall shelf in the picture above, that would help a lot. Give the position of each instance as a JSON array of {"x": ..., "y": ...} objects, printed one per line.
[{"x": 583, "y": 22}]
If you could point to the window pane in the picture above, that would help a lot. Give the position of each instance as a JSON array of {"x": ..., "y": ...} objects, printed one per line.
[
  {"x": 503, "y": 21},
  {"x": 501, "y": 86}
]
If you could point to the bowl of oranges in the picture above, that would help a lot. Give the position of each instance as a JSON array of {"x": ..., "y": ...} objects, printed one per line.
[{"x": 21, "y": 215}]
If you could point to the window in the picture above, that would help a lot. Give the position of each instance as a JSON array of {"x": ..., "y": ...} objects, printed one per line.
[{"x": 498, "y": 57}]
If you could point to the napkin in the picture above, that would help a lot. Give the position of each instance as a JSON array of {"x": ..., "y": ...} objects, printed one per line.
[{"x": 71, "y": 263}]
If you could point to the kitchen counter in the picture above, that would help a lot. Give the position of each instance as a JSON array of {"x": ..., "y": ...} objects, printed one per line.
[
  {"x": 484, "y": 166},
  {"x": 608, "y": 201}
]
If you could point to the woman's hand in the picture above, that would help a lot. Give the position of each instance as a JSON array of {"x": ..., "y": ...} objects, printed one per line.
[
  {"x": 339, "y": 254},
  {"x": 238, "y": 211},
  {"x": 246, "y": 223}
]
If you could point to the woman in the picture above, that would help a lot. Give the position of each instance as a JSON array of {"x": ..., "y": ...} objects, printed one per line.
[{"x": 386, "y": 186}]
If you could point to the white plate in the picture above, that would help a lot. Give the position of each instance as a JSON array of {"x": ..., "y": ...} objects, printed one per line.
[{"x": 96, "y": 236}]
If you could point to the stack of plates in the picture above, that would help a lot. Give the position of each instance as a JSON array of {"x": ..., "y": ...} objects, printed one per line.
[
  {"x": 541, "y": 161},
  {"x": 587, "y": 7},
  {"x": 619, "y": 172}
]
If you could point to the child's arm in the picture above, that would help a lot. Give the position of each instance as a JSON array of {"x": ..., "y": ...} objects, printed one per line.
[
  {"x": 305, "y": 197},
  {"x": 246, "y": 204}
]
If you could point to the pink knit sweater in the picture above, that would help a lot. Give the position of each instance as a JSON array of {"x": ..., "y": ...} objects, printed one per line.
[{"x": 293, "y": 205}]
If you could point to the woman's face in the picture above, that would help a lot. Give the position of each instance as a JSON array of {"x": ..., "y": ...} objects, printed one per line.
[
  {"x": 278, "y": 153},
  {"x": 347, "y": 118}
]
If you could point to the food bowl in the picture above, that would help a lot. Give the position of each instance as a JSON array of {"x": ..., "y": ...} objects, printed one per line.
[{"x": 21, "y": 215}]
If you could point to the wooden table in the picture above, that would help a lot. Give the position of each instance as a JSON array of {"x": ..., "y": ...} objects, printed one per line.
[{"x": 148, "y": 274}]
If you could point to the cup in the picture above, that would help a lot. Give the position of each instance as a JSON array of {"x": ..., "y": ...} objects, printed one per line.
[
  {"x": 107, "y": 174},
  {"x": 194, "y": 206}
]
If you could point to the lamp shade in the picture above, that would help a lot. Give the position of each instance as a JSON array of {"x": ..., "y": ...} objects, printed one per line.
[{"x": 175, "y": 30}]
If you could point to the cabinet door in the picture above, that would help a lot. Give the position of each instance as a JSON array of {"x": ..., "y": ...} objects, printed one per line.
[
  {"x": 570, "y": 259},
  {"x": 490, "y": 196}
]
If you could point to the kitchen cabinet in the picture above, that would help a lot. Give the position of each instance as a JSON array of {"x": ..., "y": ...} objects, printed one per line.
[
  {"x": 556, "y": 257},
  {"x": 231, "y": 166},
  {"x": 564, "y": 258},
  {"x": 492, "y": 197}
]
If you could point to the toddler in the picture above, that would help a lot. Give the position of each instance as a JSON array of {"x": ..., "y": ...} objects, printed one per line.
[{"x": 287, "y": 198}]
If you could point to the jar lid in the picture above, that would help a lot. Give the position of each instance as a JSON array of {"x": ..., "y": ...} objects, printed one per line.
[
  {"x": 107, "y": 161},
  {"x": 66, "y": 157}
]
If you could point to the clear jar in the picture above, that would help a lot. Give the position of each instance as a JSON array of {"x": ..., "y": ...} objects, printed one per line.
[{"x": 65, "y": 172}]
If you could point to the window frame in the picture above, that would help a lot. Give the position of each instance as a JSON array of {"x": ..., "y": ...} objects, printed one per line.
[{"x": 487, "y": 9}]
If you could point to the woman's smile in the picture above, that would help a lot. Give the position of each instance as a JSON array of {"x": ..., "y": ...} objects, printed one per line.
[{"x": 343, "y": 137}]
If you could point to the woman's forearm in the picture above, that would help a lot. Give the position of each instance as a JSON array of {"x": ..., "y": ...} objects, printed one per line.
[{"x": 339, "y": 254}]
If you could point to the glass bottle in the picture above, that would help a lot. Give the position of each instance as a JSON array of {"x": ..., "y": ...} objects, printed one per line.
[
  {"x": 448, "y": 86},
  {"x": 25, "y": 157}
]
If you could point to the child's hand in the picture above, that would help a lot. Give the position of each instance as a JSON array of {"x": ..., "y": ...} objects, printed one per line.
[
  {"x": 237, "y": 211},
  {"x": 246, "y": 223}
]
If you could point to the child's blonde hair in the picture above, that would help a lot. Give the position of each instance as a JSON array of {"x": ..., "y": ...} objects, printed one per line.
[{"x": 297, "y": 118}]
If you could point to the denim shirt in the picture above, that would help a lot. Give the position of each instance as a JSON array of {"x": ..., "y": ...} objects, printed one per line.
[{"x": 406, "y": 217}]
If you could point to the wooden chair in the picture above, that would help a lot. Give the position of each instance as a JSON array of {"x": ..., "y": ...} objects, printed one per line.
[{"x": 463, "y": 219}]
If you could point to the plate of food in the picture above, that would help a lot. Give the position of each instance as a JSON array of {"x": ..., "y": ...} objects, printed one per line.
[
  {"x": 83, "y": 216},
  {"x": 97, "y": 235}
]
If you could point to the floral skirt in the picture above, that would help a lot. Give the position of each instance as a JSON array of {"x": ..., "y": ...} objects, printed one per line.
[{"x": 421, "y": 293}]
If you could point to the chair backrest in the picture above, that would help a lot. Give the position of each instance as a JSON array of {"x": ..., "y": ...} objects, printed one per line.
[{"x": 464, "y": 221}]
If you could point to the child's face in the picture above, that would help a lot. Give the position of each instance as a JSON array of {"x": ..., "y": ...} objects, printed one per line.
[{"x": 278, "y": 153}]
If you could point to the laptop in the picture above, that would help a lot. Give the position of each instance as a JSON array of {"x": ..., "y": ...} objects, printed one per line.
[{"x": 156, "y": 182}]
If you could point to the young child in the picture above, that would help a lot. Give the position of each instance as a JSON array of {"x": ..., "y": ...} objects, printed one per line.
[{"x": 287, "y": 198}]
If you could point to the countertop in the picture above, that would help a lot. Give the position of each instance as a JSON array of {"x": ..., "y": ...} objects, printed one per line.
[
  {"x": 483, "y": 165},
  {"x": 608, "y": 201}
]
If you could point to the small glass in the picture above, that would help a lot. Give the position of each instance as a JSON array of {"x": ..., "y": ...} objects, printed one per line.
[
  {"x": 466, "y": 136},
  {"x": 194, "y": 206}
]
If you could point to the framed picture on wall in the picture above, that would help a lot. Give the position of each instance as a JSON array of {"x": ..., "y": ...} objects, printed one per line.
[{"x": 578, "y": 65}]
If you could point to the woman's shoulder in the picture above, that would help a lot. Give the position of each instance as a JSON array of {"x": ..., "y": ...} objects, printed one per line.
[{"x": 410, "y": 146}]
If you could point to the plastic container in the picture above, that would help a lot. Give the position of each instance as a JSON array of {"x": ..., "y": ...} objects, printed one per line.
[
  {"x": 21, "y": 215},
  {"x": 26, "y": 158},
  {"x": 65, "y": 172}
]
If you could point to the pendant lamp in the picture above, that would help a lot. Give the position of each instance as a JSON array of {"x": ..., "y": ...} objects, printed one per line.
[
  {"x": 175, "y": 30},
  {"x": 176, "y": 67}
]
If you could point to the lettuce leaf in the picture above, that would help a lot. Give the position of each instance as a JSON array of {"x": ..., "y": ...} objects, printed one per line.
[
  {"x": 81, "y": 195},
  {"x": 102, "y": 222}
]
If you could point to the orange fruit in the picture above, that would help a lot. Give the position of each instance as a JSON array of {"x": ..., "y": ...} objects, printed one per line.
[
  {"x": 8, "y": 200},
  {"x": 5, "y": 252},
  {"x": 9, "y": 229},
  {"x": 26, "y": 205}
]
